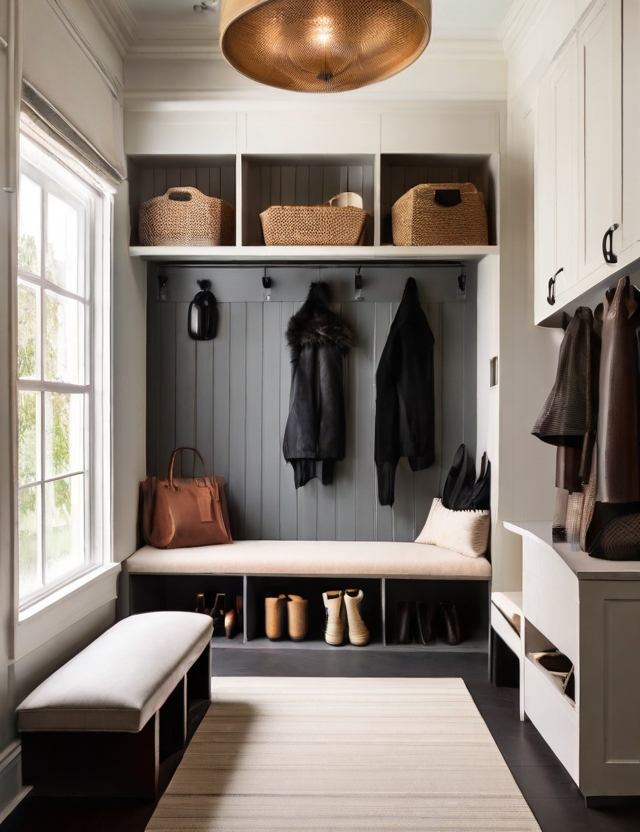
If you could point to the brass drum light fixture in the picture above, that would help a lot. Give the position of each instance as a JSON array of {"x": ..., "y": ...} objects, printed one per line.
[{"x": 323, "y": 45}]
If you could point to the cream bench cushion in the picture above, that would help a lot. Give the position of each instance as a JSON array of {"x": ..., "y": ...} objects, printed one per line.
[
  {"x": 321, "y": 558},
  {"x": 122, "y": 678}
]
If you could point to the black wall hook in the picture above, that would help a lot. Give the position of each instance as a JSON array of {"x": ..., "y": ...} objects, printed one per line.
[
  {"x": 266, "y": 284},
  {"x": 358, "y": 283},
  {"x": 205, "y": 285}
]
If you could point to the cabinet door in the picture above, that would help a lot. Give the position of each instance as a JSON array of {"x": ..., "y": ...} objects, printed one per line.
[
  {"x": 600, "y": 72},
  {"x": 631, "y": 129},
  {"x": 556, "y": 178}
]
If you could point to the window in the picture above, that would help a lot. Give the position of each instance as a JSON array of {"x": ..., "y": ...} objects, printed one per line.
[{"x": 63, "y": 371}]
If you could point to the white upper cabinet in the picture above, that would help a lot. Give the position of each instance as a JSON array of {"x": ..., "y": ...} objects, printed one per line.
[
  {"x": 579, "y": 178},
  {"x": 631, "y": 131},
  {"x": 600, "y": 73},
  {"x": 556, "y": 178}
]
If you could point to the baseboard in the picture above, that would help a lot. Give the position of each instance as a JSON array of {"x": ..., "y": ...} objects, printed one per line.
[{"x": 12, "y": 791}]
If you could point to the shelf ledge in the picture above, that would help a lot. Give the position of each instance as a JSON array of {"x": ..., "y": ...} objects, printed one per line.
[{"x": 260, "y": 254}]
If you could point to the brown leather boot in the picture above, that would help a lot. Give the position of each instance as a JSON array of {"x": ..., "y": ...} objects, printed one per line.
[
  {"x": 451, "y": 631},
  {"x": 297, "y": 616},
  {"x": 274, "y": 616}
]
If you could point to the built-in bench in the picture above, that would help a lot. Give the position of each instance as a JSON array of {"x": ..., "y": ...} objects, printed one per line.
[
  {"x": 102, "y": 723},
  {"x": 386, "y": 571}
]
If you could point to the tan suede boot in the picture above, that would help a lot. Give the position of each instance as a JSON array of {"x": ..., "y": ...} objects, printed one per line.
[
  {"x": 334, "y": 606},
  {"x": 358, "y": 633},
  {"x": 275, "y": 611},
  {"x": 297, "y": 615}
]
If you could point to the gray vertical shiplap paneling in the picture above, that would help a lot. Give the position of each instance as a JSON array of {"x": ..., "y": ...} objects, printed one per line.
[
  {"x": 221, "y": 394},
  {"x": 238, "y": 415},
  {"x": 271, "y": 435},
  {"x": 230, "y": 398},
  {"x": 362, "y": 363},
  {"x": 253, "y": 428},
  {"x": 345, "y": 472},
  {"x": 185, "y": 431},
  {"x": 204, "y": 400},
  {"x": 165, "y": 377}
]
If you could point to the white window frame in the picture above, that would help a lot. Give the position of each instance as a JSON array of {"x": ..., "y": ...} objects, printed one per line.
[{"x": 42, "y": 162}]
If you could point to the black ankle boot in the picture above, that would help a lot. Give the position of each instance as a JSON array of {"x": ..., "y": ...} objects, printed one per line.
[
  {"x": 217, "y": 614},
  {"x": 426, "y": 613},
  {"x": 404, "y": 622},
  {"x": 450, "y": 622}
]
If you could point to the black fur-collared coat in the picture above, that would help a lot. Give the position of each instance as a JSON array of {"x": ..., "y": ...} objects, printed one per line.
[
  {"x": 405, "y": 398},
  {"x": 315, "y": 431}
]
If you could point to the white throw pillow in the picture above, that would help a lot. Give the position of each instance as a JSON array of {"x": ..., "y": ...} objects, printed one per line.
[{"x": 466, "y": 532}]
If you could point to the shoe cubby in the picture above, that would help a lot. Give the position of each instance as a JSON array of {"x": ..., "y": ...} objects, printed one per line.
[
  {"x": 471, "y": 599},
  {"x": 148, "y": 593},
  {"x": 151, "y": 176},
  {"x": 301, "y": 180},
  {"x": 258, "y": 588},
  {"x": 400, "y": 173}
]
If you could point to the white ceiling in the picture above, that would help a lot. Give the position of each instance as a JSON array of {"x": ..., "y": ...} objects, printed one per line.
[{"x": 451, "y": 18}]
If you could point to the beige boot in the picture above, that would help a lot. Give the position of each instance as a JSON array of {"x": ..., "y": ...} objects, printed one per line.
[
  {"x": 275, "y": 610},
  {"x": 358, "y": 633},
  {"x": 297, "y": 617},
  {"x": 334, "y": 606}
]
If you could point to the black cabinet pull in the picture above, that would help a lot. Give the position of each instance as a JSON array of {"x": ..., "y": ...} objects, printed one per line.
[
  {"x": 551, "y": 295},
  {"x": 607, "y": 244}
]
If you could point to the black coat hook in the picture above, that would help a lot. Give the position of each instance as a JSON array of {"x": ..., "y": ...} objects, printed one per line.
[
  {"x": 266, "y": 283},
  {"x": 358, "y": 284}
]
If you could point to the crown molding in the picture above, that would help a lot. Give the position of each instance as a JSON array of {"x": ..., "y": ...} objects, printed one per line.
[
  {"x": 187, "y": 43},
  {"x": 117, "y": 20},
  {"x": 113, "y": 83},
  {"x": 520, "y": 21}
]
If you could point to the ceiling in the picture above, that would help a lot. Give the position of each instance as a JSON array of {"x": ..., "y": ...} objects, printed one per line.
[{"x": 452, "y": 19}]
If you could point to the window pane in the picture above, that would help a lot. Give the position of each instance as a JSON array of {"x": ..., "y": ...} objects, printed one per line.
[
  {"x": 65, "y": 339},
  {"x": 63, "y": 254},
  {"x": 29, "y": 539},
  {"x": 28, "y": 436},
  {"x": 64, "y": 415},
  {"x": 64, "y": 526},
  {"x": 28, "y": 328},
  {"x": 30, "y": 226}
]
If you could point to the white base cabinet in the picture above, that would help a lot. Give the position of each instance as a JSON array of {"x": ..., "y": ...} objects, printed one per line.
[{"x": 590, "y": 610}]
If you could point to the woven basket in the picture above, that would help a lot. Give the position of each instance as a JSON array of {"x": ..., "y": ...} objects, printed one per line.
[
  {"x": 428, "y": 215},
  {"x": 186, "y": 217},
  {"x": 313, "y": 225}
]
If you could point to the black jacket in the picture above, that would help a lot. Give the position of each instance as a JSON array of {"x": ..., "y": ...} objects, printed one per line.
[
  {"x": 315, "y": 431},
  {"x": 405, "y": 399}
]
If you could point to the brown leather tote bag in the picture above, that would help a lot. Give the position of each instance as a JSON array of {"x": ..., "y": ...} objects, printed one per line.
[{"x": 179, "y": 512}]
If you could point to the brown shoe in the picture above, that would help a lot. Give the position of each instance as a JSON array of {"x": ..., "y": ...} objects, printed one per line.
[
  {"x": 404, "y": 615},
  {"x": 451, "y": 631},
  {"x": 426, "y": 616},
  {"x": 274, "y": 616},
  {"x": 230, "y": 623},
  {"x": 297, "y": 616}
]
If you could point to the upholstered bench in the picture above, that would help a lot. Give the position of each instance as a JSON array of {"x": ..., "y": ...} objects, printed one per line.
[
  {"x": 387, "y": 572},
  {"x": 318, "y": 558},
  {"x": 102, "y": 723}
]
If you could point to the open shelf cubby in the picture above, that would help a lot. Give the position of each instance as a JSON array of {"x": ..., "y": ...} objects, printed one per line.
[
  {"x": 301, "y": 180},
  {"x": 151, "y": 176},
  {"x": 401, "y": 172}
]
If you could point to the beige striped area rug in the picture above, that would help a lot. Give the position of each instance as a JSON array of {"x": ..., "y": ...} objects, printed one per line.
[{"x": 342, "y": 754}]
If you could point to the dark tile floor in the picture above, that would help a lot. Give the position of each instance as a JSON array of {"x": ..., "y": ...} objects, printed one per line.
[{"x": 554, "y": 799}]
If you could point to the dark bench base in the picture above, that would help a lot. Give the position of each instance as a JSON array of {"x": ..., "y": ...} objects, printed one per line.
[{"x": 113, "y": 763}]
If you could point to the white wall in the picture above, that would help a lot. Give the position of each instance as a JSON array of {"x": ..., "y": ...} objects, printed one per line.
[{"x": 68, "y": 57}]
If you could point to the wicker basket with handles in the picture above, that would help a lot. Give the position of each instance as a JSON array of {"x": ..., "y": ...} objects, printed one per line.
[
  {"x": 313, "y": 225},
  {"x": 186, "y": 217},
  {"x": 446, "y": 214}
]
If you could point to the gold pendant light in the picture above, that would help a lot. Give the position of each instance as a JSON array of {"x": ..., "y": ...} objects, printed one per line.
[{"x": 323, "y": 45}]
